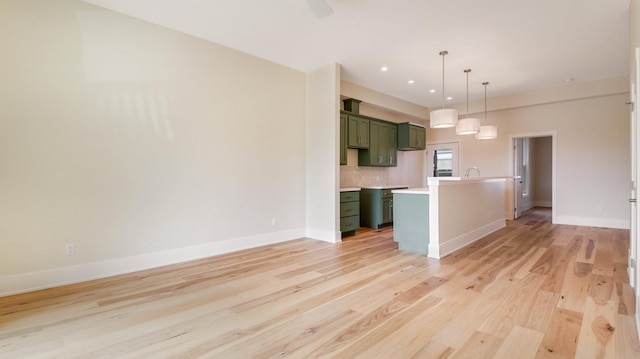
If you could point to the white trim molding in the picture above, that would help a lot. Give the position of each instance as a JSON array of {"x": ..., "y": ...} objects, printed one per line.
[
  {"x": 594, "y": 222},
  {"x": 465, "y": 239},
  {"x": 31, "y": 281}
]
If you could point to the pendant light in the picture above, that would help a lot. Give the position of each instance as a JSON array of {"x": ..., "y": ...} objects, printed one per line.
[
  {"x": 468, "y": 126},
  {"x": 443, "y": 117},
  {"x": 487, "y": 132}
]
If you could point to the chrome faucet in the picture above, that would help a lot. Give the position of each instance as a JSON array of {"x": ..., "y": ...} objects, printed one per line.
[{"x": 466, "y": 174}]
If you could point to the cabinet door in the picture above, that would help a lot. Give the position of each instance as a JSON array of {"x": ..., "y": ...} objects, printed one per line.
[
  {"x": 393, "y": 145},
  {"x": 387, "y": 210},
  {"x": 358, "y": 129},
  {"x": 363, "y": 131},
  {"x": 343, "y": 139},
  {"x": 421, "y": 140},
  {"x": 383, "y": 145},
  {"x": 413, "y": 136},
  {"x": 374, "y": 145}
]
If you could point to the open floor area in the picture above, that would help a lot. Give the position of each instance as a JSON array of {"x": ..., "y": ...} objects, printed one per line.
[{"x": 530, "y": 290}]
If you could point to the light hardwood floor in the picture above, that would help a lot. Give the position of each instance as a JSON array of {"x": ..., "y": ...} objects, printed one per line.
[{"x": 531, "y": 290}]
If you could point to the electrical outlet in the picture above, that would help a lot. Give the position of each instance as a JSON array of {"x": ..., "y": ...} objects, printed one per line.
[
  {"x": 274, "y": 221},
  {"x": 70, "y": 249}
]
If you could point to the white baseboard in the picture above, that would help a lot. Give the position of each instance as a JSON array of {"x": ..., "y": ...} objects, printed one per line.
[
  {"x": 452, "y": 245},
  {"x": 27, "y": 282},
  {"x": 593, "y": 222},
  {"x": 325, "y": 236},
  {"x": 543, "y": 204}
]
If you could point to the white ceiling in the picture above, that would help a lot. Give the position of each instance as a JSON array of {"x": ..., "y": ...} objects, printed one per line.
[{"x": 516, "y": 45}]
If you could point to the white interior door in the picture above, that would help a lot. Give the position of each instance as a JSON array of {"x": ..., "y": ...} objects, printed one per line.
[{"x": 517, "y": 172}]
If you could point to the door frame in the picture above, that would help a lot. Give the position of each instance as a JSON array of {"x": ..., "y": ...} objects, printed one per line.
[
  {"x": 511, "y": 199},
  {"x": 634, "y": 232},
  {"x": 455, "y": 165}
]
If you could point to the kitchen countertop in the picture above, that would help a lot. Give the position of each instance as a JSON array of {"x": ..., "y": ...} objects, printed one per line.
[
  {"x": 412, "y": 191},
  {"x": 386, "y": 187},
  {"x": 349, "y": 189},
  {"x": 437, "y": 180}
]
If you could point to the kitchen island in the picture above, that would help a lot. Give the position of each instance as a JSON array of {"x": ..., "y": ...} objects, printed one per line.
[{"x": 450, "y": 214}]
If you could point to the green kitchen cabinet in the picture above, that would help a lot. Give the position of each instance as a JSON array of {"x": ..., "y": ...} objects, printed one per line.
[
  {"x": 393, "y": 145},
  {"x": 376, "y": 207},
  {"x": 383, "y": 145},
  {"x": 411, "y": 137},
  {"x": 349, "y": 211},
  {"x": 343, "y": 139},
  {"x": 358, "y": 132}
]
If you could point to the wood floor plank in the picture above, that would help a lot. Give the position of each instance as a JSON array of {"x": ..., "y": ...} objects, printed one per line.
[
  {"x": 561, "y": 338},
  {"x": 517, "y": 308},
  {"x": 597, "y": 331},
  {"x": 529, "y": 289},
  {"x": 521, "y": 343},
  {"x": 542, "y": 311},
  {"x": 433, "y": 349},
  {"x": 479, "y": 345},
  {"x": 627, "y": 343}
]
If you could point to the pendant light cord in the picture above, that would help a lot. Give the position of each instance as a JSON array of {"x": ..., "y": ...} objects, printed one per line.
[
  {"x": 485, "y": 101},
  {"x": 443, "y": 53},
  {"x": 467, "y": 72}
]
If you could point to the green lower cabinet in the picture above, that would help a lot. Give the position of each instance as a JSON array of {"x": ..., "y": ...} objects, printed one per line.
[
  {"x": 411, "y": 223},
  {"x": 349, "y": 212},
  {"x": 376, "y": 207}
]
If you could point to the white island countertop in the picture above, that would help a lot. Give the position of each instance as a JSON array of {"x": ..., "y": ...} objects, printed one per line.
[
  {"x": 424, "y": 190},
  {"x": 437, "y": 180}
]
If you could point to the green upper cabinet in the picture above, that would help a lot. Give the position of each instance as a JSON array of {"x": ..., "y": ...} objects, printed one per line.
[
  {"x": 343, "y": 139},
  {"x": 393, "y": 145},
  {"x": 411, "y": 137},
  {"x": 358, "y": 132},
  {"x": 383, "y": 145}
]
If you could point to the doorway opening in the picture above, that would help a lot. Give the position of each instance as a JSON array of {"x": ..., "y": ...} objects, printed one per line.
[
  {"x": 442, "y": 160},
  {"x": 533, "y": 167}
]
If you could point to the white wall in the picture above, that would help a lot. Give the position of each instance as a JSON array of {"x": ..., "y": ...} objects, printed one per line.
[
  {"x": 323, "y": 154},
  {"x": 592, "y": 127},
  {"x": 139, "y": 144}
]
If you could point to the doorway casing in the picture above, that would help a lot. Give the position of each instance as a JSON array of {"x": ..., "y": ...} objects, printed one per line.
[{"x": 511, "y": 195}]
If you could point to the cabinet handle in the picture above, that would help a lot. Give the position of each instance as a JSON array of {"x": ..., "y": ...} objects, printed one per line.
[{"x": 348, "y": 210}]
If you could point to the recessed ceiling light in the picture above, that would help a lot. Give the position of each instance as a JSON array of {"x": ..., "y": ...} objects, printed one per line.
[
  {"x": 449, "y": 98},
  {"x": 432, "y": 91},
  {"x": 383, "y": 68},
  {"x": 570, "y": 79},
  {"x": 411, "y": 81}
]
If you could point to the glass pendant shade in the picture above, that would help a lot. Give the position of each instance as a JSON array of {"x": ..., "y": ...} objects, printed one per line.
[
  {"x": 487, "y": 132},
  {"x": 468, "y": 126},
  {"x": 443, "y": 118}
]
